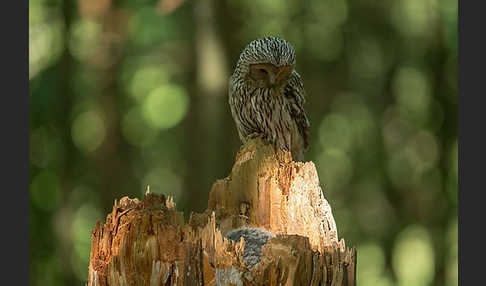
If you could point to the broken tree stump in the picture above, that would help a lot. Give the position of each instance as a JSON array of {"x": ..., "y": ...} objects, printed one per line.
[{"x": 148, "y": 243}]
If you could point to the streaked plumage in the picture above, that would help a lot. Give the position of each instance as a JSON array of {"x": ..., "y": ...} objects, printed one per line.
[{"x": 266, "y": 96}]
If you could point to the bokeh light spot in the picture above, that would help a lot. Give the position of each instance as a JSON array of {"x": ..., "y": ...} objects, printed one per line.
[
  {"x": 146, "y": 79},
  {"x": 45, "y": 44},
  {"x": 88, "y": 131},
  {"x": 148, "y": 27},
  {"x": 452, "y": 256},
  {"x": 371, "y": 265},
  {"x": 165, "y": 106},
  {"x": 360, "y": 121},
  {"x": 277, "y": 8},
  {"x": 136, "y": 130},
  {"x": 45, "y": 190},
  {"x": 413, "y": 256},
  {"x": 411, "y": 88},
  {"x": 414, "y": 17},
  {"x": 335, "y": 132},
  {"x": 452, "y": 273},
  {"x": 85, "y": 39},
  {"x": 413, "y": 94}
]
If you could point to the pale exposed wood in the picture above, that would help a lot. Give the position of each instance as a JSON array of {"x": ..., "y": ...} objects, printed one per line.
[{"x": 147, "y": 242}]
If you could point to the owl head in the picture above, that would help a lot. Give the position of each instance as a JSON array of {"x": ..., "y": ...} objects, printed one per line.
[{"x": 267, "y": 62}]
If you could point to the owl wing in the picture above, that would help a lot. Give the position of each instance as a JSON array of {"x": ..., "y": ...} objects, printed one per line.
[
  {"x": 295, "y": 94},
  {"x": 239, "y": 110}
]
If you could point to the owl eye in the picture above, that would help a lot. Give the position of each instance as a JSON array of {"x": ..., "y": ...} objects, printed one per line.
[{"x": 259, "y": 72}]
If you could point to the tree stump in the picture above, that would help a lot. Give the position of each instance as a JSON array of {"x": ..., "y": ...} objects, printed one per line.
[{"x": 147, "y": 242}]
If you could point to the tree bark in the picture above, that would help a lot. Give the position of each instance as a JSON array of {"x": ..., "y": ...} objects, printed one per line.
[{"x": 148, "y": 243}]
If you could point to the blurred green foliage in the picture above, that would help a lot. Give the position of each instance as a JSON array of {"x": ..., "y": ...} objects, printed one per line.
[{"x": 125, "y": 94}]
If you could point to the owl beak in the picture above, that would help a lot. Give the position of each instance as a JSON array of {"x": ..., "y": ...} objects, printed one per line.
[
  {"x": 272, "y": 78},
  {"x": 279, "y": 77}
]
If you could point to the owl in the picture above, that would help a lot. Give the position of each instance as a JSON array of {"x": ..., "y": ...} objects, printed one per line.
[{"x": 266, "y": 96}]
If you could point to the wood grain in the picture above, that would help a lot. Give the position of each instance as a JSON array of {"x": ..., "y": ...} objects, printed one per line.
[{"x": 147, "y": 242}]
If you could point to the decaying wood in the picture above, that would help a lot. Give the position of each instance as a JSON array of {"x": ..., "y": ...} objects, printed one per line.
[{"x": 147, "y": 242}]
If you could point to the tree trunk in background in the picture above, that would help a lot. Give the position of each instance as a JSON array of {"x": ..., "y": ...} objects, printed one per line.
[
  {"x": 111, "y": 158},
  {"x": 208, "y": 103},
  {"x": 63, "y": 109},
  {"x": 147, "y": 242}
]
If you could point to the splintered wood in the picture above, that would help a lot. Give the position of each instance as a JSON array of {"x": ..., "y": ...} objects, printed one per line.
[{"x": 148, "y": 243}]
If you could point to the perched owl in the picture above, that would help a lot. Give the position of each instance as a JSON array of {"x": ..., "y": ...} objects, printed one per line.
[{"x": 266, "y": 96}]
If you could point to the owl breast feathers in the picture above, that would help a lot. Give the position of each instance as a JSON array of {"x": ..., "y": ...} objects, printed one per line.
[{"x": 266, "y": 96}]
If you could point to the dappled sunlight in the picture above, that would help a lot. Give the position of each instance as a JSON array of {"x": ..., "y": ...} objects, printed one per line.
[
  {"x": 413, "y": 256},
  {"x": 413, "y": 95},
  {"x": 165, "y": 106},
  {"x": 452, "y": 255},
  {"x": 146, "y": 79},
  {"x": 85, "y": 39},
  {"x": 46, "y": 40},
  {"x": 371, "y": 265},
  {"x": 415, "y": 18},
  {"x": 136, "y": 129},
  {"x": 88, "y": 131}
]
